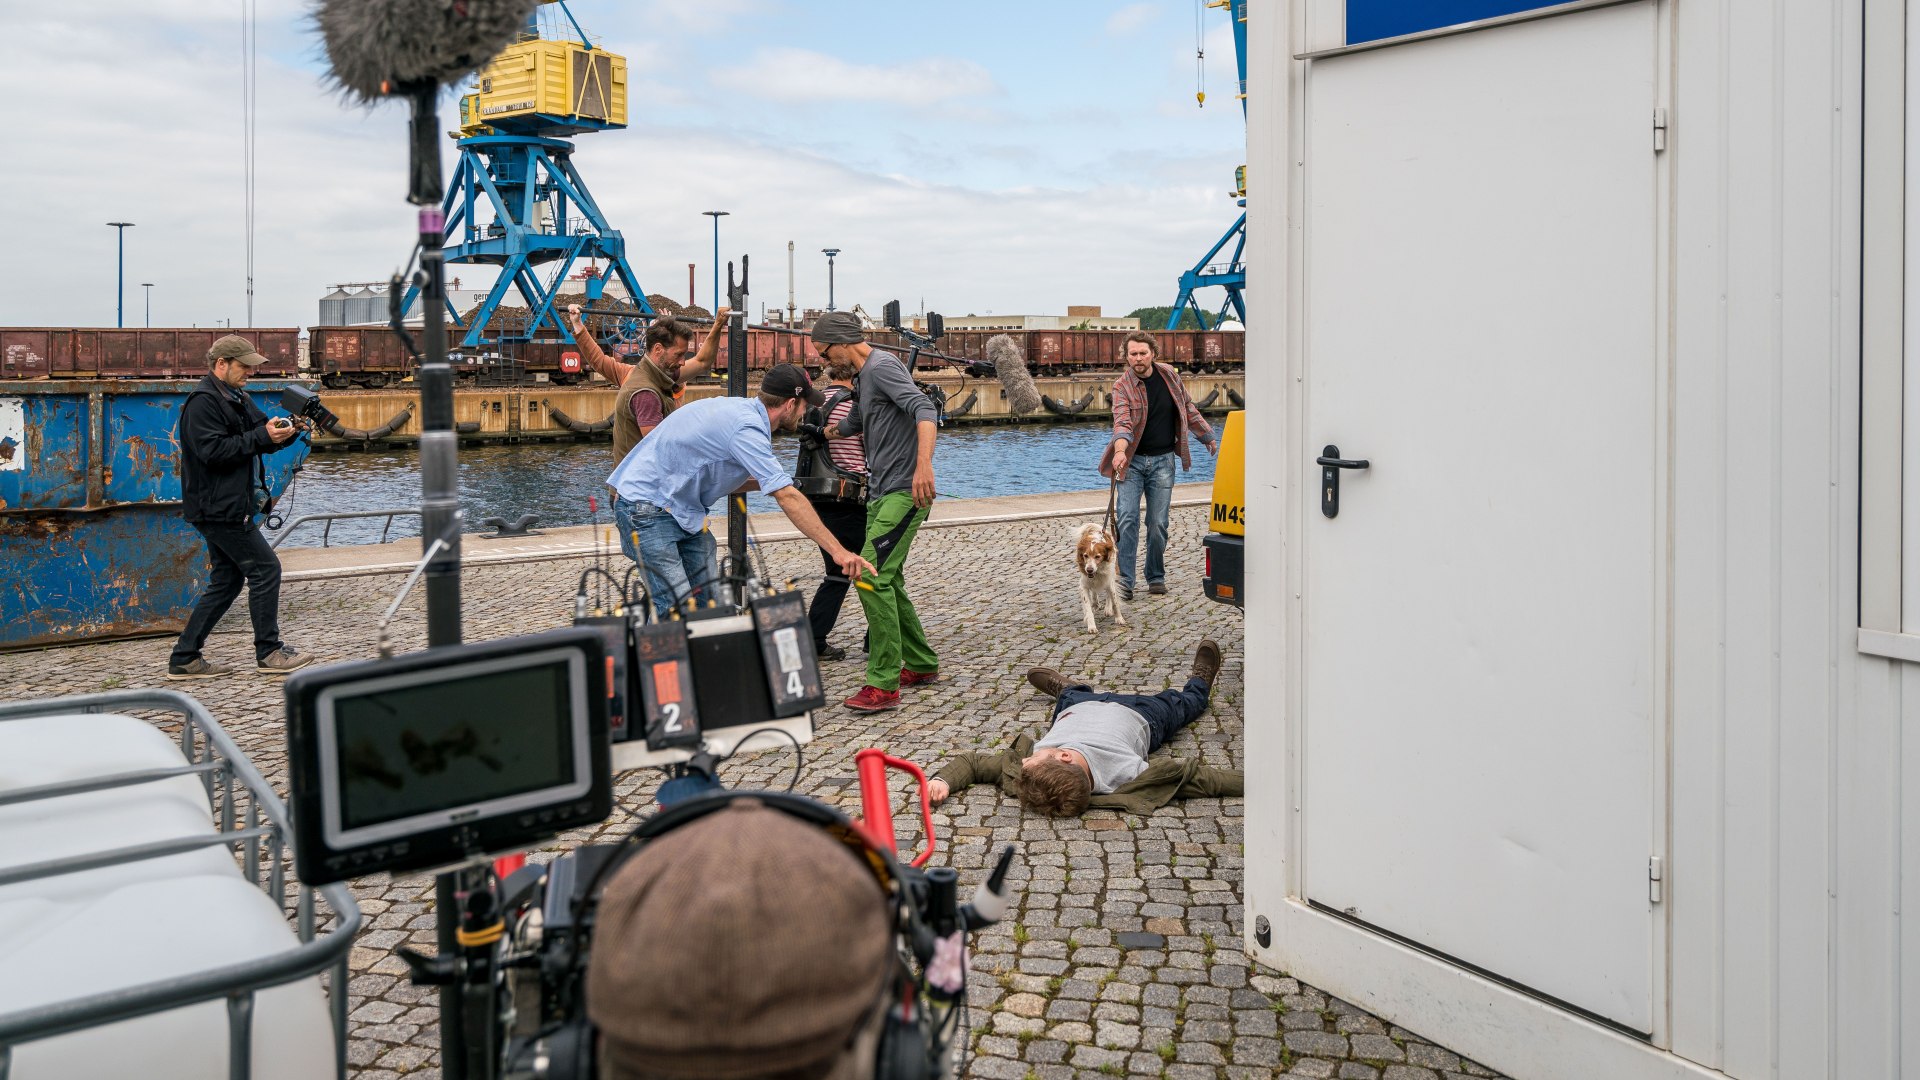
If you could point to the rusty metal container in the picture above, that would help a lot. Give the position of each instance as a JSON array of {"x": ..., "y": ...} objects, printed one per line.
[
  {"x": 1177, "y": 346},
  {"x": 350, "y": 355},
  {"x": 1213, "y": 349},
  {"x": 90, "y": 529},
  {"x": 28, "y": 352},
  {"x": 1044, "y": 349},
  {"x": 157, "y": 353}
]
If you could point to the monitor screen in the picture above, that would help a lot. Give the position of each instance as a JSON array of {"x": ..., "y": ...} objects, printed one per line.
[{"x": 474, "y": 738}]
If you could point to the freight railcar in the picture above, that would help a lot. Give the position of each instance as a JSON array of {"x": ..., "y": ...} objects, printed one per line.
[
  {"x": 372, "y": 356},
  {"x": 46, "y": 352}
]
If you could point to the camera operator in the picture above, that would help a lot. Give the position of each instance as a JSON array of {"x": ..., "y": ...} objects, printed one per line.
[
  {"x": 746, "y": 945},
  {"x": 223, "y": 437},
  {"x": 700, "y": 453}
]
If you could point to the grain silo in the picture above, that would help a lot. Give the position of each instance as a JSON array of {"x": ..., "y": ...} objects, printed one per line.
[{"x": 333, "y": 308}]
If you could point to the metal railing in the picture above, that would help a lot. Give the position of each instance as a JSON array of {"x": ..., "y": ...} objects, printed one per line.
[
  {"x": 327, "y": 533},
  {"x": 261, "y": 834}
]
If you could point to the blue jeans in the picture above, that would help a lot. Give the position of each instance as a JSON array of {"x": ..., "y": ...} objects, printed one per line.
[
  {"x": 1152, "y": 477},
  {"x": 1166, "y": 712},
  {"x": 678, "y": 563}
]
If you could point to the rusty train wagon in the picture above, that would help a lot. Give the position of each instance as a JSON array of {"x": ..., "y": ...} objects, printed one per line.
[
  {"x": 373, "y": 356},
  {"x": 42, "y": 352}
]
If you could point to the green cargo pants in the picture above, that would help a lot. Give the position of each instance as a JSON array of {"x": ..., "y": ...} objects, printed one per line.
[{"x": 893, "y": 628}]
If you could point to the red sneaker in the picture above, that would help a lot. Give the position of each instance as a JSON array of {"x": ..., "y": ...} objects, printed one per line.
[
  {"x": 917, "y": 678},
  {"x": 873, "y": 699}
]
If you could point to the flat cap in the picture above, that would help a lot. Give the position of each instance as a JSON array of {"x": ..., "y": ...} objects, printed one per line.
[
  {"x": 235, "y": 347},
  {"x": 744, "y": 939}
]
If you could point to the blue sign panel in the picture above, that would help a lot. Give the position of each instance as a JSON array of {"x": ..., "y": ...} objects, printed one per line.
[{"x": 1371, "y": 20}]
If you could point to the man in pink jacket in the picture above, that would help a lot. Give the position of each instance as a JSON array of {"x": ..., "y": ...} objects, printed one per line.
[{"x": 1152, "y": 416}]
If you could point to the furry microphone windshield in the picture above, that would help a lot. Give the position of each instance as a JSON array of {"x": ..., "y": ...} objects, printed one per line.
[
  {"x": 1011, "y": 367},
  {"x": 377, "y": 48}
]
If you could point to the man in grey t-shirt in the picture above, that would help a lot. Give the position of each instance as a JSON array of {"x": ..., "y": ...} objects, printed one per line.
[{"x": 899, "y": 424}]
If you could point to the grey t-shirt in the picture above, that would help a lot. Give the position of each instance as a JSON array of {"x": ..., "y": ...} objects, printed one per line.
[
  {"x": 890, "y": 411},
  {"x": 1113, "y": 738}
]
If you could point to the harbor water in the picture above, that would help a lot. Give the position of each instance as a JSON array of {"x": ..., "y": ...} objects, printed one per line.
[{"x": 553, "y": 481}]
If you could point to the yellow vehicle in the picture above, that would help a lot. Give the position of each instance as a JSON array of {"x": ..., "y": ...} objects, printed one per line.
[{"x": 1224, "y": 578}]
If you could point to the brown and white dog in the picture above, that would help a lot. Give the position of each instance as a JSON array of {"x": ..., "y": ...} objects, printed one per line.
[{"x": 1093, "y": 557}]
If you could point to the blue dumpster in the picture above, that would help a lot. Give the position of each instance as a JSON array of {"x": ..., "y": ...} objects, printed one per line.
[{"x": 91, "y": 541}]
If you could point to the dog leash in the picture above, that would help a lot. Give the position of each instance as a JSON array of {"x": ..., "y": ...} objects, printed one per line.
[{"x": 1113, "y": 492}]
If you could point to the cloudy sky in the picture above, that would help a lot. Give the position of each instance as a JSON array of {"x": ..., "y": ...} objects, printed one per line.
[{"x": 988, "y": 156}]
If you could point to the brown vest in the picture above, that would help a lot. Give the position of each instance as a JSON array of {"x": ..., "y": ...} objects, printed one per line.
[{"x": 644, "y": 376}]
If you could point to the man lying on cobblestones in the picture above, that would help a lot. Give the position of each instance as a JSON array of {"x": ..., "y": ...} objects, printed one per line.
[{"x": 1095, "y": 754}]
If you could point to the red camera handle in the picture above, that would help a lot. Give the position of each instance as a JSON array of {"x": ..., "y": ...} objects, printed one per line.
[{"x": 876, "y": 808}]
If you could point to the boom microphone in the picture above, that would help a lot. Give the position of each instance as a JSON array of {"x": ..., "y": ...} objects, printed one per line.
[
  {"x": 1011, "y": 367},
  {"x": 380, "y": 47}
]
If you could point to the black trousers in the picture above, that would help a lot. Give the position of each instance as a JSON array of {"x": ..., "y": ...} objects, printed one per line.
[
  {"x": 848, "y": 523},
  {"x": 236, "y": 555}
]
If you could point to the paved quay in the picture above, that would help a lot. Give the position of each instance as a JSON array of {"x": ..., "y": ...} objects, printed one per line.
[
  {"x": 569, "y": 541},
  {"x": 1121, "y": 956}
]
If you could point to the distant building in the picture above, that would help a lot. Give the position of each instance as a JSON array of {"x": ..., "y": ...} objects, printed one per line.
[{"x": 1078, "y": 316}]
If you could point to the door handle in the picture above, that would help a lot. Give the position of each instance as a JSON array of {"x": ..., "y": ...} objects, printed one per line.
[{"x": 1331, "y": 463}]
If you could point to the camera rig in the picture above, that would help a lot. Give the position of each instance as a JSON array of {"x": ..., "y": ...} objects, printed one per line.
[
  {"x": 450, "y": 756},
  {"x": 916, "y": 342}
]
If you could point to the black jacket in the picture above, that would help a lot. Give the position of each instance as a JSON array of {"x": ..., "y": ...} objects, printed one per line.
[{"x": 223, "y": 435}]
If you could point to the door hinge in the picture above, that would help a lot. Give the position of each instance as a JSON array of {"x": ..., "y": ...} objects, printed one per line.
[
  {"x": 1656, "y": 871},
  {"x": 1659, "y": 130}
]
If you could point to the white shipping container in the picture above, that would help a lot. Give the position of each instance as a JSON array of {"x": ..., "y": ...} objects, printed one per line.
[{"x": 1586, "y": 739}]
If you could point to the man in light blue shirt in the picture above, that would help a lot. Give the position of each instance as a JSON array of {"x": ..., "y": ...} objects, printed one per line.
[{"x": 702, "y": 452}]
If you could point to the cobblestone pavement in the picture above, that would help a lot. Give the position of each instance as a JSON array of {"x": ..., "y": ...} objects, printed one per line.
[{"x": 1123, "y": 955}]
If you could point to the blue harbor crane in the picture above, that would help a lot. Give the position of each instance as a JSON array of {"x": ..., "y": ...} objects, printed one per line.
[
  {"x": 1230, "y": 274},
  {"x": 515, "y": 200}
]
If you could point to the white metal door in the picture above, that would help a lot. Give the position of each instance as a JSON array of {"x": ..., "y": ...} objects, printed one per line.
[{"x": 1480, "y": 617}]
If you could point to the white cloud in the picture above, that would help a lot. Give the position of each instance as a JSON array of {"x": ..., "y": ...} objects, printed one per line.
[
  {"x": 1121, "y": 244},
  {"x": 1131, "y": 18},
  {"x": 788, "y": 75}
]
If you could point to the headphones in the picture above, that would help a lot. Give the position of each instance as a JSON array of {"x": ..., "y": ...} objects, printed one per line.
[{"x": 907, "y": 1049}]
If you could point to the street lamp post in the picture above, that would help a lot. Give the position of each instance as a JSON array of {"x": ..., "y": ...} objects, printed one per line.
[
  {"x": 148, "y": 285},
  {"x": 830, "y": 253},
  {"x": 120, "y": 281},
  {"x": 716, "y": 215}
]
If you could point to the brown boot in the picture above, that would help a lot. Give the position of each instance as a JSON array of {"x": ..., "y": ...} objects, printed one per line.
[
  {"x": 1206, "y": 661},
  {"x": 1048, "y": 681}
]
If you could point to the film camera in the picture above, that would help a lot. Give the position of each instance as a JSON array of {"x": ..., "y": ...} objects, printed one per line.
[
  {"x": 305, "y": 404},
  {"x": 453, "y": 755}
]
